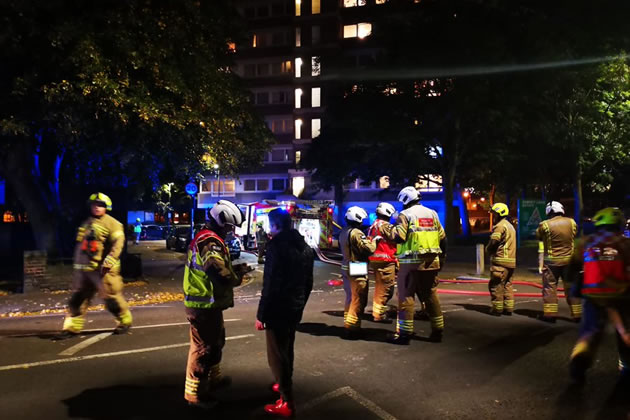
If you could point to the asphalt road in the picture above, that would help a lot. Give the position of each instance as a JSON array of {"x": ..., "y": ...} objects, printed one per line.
[{"x": 486, "y": 368}]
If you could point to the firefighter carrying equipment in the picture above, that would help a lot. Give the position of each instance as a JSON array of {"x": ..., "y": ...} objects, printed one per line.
[
  {"x": 101, "y": 198},
  {"x": 610, "y": 216},
  {"x": 501, "y": 209},
  {"x": 554, "y": 207},
  {"x": 209, "y": 277},
  {"x": 224, "y": 212},
  {"x": 408, "y": 194},
  {"x": 356, "y": 214}
]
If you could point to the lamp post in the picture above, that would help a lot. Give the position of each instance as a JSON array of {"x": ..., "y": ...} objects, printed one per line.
[{"x": 216, "y": 168}]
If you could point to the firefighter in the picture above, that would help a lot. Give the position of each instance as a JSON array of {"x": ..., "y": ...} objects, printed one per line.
[
  {"x": 383, "y": 261},
  {"x": 261, "y": 242},
  {"x": 556, "y": 236},
  {"x": 209, "y": 279},
  {"x": 99, "y": 242},
  {"x": 604, "y": 258},
  {"x": 137, "y": 230},
  {"x": 502, "y": 251},
  {"x": 355, "y": 249},
  {"x": 421, "y": 253}
]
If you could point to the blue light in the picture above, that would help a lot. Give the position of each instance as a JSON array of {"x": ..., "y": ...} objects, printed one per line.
[{"x": 2, "y": 193}]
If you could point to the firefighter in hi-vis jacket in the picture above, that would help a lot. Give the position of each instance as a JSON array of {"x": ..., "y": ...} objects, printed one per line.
[
  {"x": 99, "y": 242},
  {"x": 502, "y": 251},
  {"x": 604, "y": 259},
  {"x": 383, "y": 261},
  {"x": 421, "y": 253},
  {"x": 556, "y": 236}
]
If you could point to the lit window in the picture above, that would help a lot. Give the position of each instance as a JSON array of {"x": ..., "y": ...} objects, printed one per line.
[
  {"x": 381, "y": 1},
  {"x": 350, "y": 31},
  {"x": 231, "y": 46},
  {"x": 286, "y": 66},
  {"x": 365, "y": 29},
  {"x": 315, "y": 6},
  {"x": 298, "y": 185},
  {"x": 8, "y": 217},
  {"x": 298, "y": 157},
  {"x": 298, "y": 129},
  {"x": 316, "y": 100},
  {"x": 254, "y": 40},
  {"x": 298, "y": 67},
  {"x": 298, "y": 98},
  {"x": 354, "y": 3},
  {"x": 298, "y": 7},
  {"x": 298, "y": 37},
  {"x": 316, "y": 125},
  {"x": 315, "y": 66}
]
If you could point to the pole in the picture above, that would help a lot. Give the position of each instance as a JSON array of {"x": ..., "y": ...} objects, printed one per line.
[
  {"x": 192, "y": 218},
  {"x": 480, "y": 259}
]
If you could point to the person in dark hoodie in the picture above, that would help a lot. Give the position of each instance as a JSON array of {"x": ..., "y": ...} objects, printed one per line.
[{"x": 287, "y": 284}]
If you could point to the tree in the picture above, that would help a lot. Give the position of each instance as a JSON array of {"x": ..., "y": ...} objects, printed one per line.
[{"x": 121, "y": 93}]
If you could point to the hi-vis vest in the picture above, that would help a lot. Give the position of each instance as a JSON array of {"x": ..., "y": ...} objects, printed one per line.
[
  {"x": 423, "y": 235},
  {"x": 385, "y": 250},
  {"x": 198, "y": 288},
  {"x": 606, "y": 273}
]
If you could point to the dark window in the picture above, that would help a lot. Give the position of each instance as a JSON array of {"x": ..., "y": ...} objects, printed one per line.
[
  {"x": 249, "y": 185},
  {"x": 262, "y": 185},
  {"x": 278, "y": 155},
  {"x": 262, "y": 11},
  {"x": 315, "y": 34},
  {"x": 278, "y": 97},
  {"x": 277, "y": 9},
  {"x": 262, "y": 98},
  {"x": 277, "y": 184},
  {"x": 250, "y": 70},
  {"x": 262, "y": 69},
  {"x": 250, "y": 12}
]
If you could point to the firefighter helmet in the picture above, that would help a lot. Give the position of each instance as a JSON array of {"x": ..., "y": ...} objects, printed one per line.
[
  {"x": 501, "y": 209},
  {"x": 226, "y": 213},
  {"x": 385, "y": 209},
  {"x": 408, "y": 194},
  {"x": 356, "y": 214},
  {"x": 102, "y": 199},
  {"x": 554, "y": 207},
  {"x": 610, "y": 216}
]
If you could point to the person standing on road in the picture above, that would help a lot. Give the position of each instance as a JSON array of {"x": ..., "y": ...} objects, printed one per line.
[
  {"x": 604, "y": 258},
  {"x": 287, "y": 285},
  {"x": 421, "y": 253},
  {"x": 355, "y": 250},
  {"x": 261, "y": 242},
  {"x": 383, "y": 261},
  {"x": 99, "y": 243},
  {"x": 556, "y": 236},
  {"x": 209, "y": 279},
  {"x": 137, "y": 230},
  {"x": 502, "y": 251}
]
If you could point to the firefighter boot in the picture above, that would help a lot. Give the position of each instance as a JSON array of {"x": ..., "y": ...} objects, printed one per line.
[
  {"x": 400, "y": 339},
  {"x": 281, "y": 408},
  {"x": 436, "y": 336}
]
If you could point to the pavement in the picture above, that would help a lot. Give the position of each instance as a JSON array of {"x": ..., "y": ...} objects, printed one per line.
[{"x": 486, "y": 367}]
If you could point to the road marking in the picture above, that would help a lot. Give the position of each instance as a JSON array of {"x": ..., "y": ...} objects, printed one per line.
[
  {"x": 453, "y": 310},
  {"x": 346, "y": 390},
  {"x": 158, "y": 325},
  {"x": 102, "y": 355},
  {"x": 78, "y": 347},
  {"x": 336, "y": 274}
]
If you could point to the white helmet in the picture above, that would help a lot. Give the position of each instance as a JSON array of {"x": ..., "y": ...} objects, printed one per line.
[
  {"x": 356, "y": 214},
  {"x": 227, "y": 213},
  {"x": 385, "y": 209},
  {"x": 554, "y": 207},
  {"x": 408, "y": 194}
]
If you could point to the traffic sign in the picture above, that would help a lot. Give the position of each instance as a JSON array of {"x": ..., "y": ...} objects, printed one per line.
[{"x": 191, "y": 188}]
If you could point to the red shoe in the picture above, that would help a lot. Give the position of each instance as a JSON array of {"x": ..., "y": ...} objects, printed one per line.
[
  {"x": 280, "y": 408},
  {"x": 275, "y": 387}
]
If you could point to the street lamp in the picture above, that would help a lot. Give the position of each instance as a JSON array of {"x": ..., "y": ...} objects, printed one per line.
[{"x": 216, "y": 168}]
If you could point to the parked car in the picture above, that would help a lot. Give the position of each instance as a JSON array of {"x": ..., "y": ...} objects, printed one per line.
[
  {"x": 179, "y": 239},
  {"x": 152, "y": 232}
]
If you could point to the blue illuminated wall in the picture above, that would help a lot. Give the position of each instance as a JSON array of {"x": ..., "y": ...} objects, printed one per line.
[{"x": 2, "y": 193}]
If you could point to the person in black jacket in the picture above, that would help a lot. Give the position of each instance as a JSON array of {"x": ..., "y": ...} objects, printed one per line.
[{"x": 287, "y": 284}]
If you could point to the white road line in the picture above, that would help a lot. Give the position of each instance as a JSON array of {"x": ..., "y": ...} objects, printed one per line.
[
  {"x": 78, "y": 347},
  {"x": 158, "y": 325},
  {"x": 346, "y": 390},
  {"x": 102, "y": 355}
]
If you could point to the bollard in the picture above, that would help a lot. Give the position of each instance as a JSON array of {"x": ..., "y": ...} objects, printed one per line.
[{"x": 480, "y": 259}]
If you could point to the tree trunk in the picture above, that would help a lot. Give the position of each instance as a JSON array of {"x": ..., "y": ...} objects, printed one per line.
[
  {"x": 577, "y": 194},
  {"x": 339, "y": 196},
  {"x": 18, "y": 175}
]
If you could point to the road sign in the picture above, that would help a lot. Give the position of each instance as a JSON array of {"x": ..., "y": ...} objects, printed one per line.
[
  {"x": 530, "y": 214},
  {"x": 191, "y": 188}
]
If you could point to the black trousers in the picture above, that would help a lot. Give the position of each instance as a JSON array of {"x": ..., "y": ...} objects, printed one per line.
[{"x": 280, "y": 342}]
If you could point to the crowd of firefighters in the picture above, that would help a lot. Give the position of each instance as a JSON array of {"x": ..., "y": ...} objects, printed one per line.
[{"x": 407, "y": 253}]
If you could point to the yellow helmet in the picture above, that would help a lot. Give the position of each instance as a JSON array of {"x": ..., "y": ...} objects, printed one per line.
[
  {"x": 501, "y": 209},
  {"x": 101, "y": 198},
  {"x": 610, "y": 216}
]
